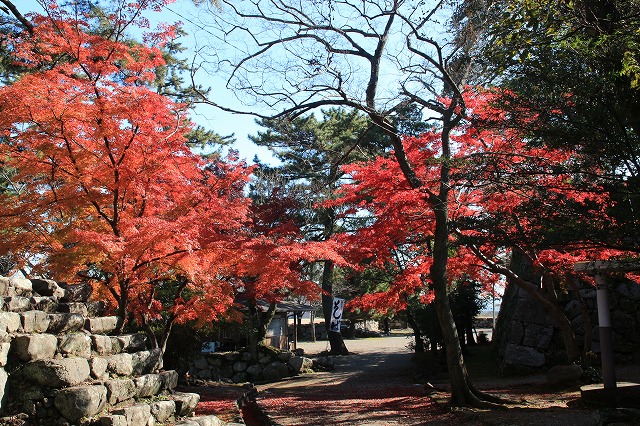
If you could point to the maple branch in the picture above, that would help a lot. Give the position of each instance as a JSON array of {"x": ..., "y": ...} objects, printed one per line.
[
  {"x": 164, "y": 256},
  {"x": 10, "y": 7}
]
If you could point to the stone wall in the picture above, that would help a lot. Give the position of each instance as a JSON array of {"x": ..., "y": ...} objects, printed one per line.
[
  {"x": 61, "y": 365},
  {"x": 239, "y": 367},
  {"x": 527, "y": 340}
]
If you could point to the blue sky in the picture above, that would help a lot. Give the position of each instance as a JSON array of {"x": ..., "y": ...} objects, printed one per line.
[{"x": 210, "y": 117}]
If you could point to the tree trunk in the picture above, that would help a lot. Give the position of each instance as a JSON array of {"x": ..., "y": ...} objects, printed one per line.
[
  {"x": 258, "y": 325},
  {"x": 460, "y": 391},
  {"x": 469, "y": 330},
  {"x": 586, "y": 316},
  {"x": 417, "y": 334},
  {"x": 123, "y": 305},
  {"x": 336, "y": 343},
  {"x": 313, "y": 326},
  {"x": 463, "y": 393}
]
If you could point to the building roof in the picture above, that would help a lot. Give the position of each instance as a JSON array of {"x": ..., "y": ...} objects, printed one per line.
[{"x": 284, "y": 306}]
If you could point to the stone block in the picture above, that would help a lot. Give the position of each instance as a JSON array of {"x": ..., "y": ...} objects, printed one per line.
[
  {"x": 516, "y": 333},
  {"x": 147, "y": 361},
  {"x": 301, "y": 364},
  {"x": 284, "y": 356},
  {"x": 207, "y": 421},
  {"x": 537, "y": 336},
  {"x": 98, "y": 367},
  {"x": 530, "y": 311},
  {"x": 254, "y": 370},
  {"x": 133, "y": 342},
  {"x": 628, "y": 306},
  {"x": 163, "y": 411},
  {"x": 43, "y": 303},
  {"x": 113, "y": 420},
  {"x": 169, "y": 379},
  {"x": 275, "y": 371},
  {"x": 588, "y": 293},
  {"x": 4, "y": 353},
  {"x": 102, "y": 344},
  {"x": 572, "y": 309},
  {"x": 74, "y": 308},
  {"x": 97, "y": 308},
  {"x": 17, "y": 304},
  {"x": 522, "y": 355},
  {"x": 226, "y": 372},
  {"x": 201, "y": 363},
  {"x": 76, "y": 293},
  {"x": 185, "y": 402},
  {"x": 75, "y": 403},
  {"x": 120, "y": 364},
  {"x": 206, "y": 374},
  {"x": 578, "y": 325},
  {"x": 75, "y": 344},
  {"x": 4, "y": 286},
  {"x": 65, "y": 323},
  {"x": 4, "y": 377},
  {"x": 57, "y": 373},
  {"x": 116, "y": 345},
  {"x": 136, "y": 415},
  {"x": 9, "y": 322},
  {"x": 101, "y": 325},
  {"x": 22, "y": 286},
  {"x": 564, "y": 374},
  {"x": 240, "y": 377},
  {"x": 32, "y": 347},
  {"x": 148, "y": 385},
  {"x": 239, "y": 366},
  {"x": 34, "y": 321},
  {"x": 622, "y": 320},
  {"x": 214, "y": 361},
  {"x": 232, "y": 356},
  {"x": 119, "y": 390},
  {"x": 629, "y": 290},
  {"x": 47, "y": 288}
]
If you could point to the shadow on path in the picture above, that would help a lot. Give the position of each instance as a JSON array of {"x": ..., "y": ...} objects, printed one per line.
[{"x": 370, "y": 387}]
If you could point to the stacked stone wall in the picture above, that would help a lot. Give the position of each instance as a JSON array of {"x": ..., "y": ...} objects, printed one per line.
[
  {"x": 60, "y": 364},
  {"x": 527, "y": 339},
  {"x": 238, "y": 367}
]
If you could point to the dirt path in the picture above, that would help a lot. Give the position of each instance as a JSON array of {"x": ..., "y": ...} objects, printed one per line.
[
  {"x": 371, "y": 387},
  {"x": 375, "y": 386}
]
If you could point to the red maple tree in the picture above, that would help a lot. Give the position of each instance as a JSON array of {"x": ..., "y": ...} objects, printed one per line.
[
  {"x": 273, "y": 263},
  {"x": 104, "y": 185},
  {"x": 504, "y": 197},
  {"x": 103, "y": 182}
]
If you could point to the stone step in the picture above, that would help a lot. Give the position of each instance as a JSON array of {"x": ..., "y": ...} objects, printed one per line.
[
  {"x": 42, "y": 368},
  {"x": 85, "y": 399},
  {"x": 38, "y": 321},
  {"x": 59, "y": 292},
  {"x": 186, "y": 402},
  {"x": 201, "y": 421},
  {"x": 172, "y": 409},
  {"x": 126, "y": 352}
]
